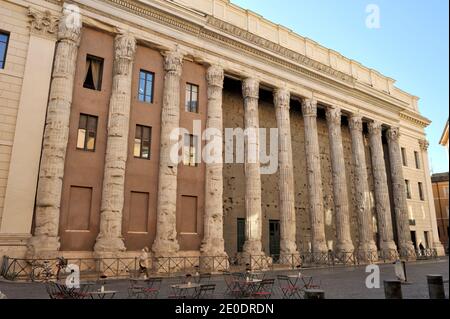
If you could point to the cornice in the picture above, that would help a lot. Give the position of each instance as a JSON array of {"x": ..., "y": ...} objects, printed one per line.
[{"x": 415, "y": 119}]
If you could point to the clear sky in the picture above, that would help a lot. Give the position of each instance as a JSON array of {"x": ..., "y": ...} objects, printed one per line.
[{"x": 411, "y": 46}]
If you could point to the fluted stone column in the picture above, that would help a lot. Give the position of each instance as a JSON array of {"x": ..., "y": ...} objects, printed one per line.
[
  {"x": 288, "y": 246},
  {"x": 312, "y": 152},
  {"x": 109, "y": 239},
  {"x": 340, "y": 194},
  {"x": 423, "y": 144},
  {"x": 405, "y": 244},
  {"x": 213, "y": 242},
  {"x": 45, "y": 241},
  {"x": 166, "y": 243},
  {"x": 366, "y": 245},
  {"x": 382, "y": 203},
  {"x": 253, "y": 211}
]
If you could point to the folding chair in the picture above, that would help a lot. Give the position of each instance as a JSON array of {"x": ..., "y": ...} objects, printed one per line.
[
  {"x": 287, "y": 288},
  {"x": 204, "y": 277},
  {"x": 264, "y": 289},
  {"x": 53, "y": 291},
  {"x": 231, "y": 284},
  {"x": 206, "y": 291},
  {"x": 153, "y": 287}
]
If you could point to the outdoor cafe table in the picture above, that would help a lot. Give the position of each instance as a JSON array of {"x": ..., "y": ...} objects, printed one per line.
[
  {"x": 185, "y": 290},
  {"x": 247, "y": 286},
  {"x": 72, "y": 292},
  {"x": 306, "y": 281},
  {"x": 102, "y": 294}
]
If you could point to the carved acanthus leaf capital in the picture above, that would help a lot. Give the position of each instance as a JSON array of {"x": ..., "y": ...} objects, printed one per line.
[
  {"x": 424, "y": 144},
  {"x": 309, "y": 107},
  {"x": 375, "y": 128},
  {"x": 69, "y": 27},
  {"x": 43, "y": 23},
  {"x": 173, "y": 62},
  {"x": 333, "y": 115},
  {"x": 393, "y": 134},
  {"x": 250, "y": 88},
  {"x": 355, "y": 123},
  {"x": 124, "y": 46},
  {"x": 215, "y": 76},
  {"x": 282, "y": 97}
]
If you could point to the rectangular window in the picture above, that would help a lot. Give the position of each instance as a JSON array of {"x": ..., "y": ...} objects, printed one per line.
[
  {"x": 142, "y": 141},
  {"x": 191, "y": 98},
  {"x": 190, "y": 150},
  {"x": 93, "y": 73},
  {"x": 4, "y": 40},
  {"x": 421, "y": 195},
  {"x": 404, "y": 159},
  {"x": 87, "y": 132},
  {"x": 146, "y": 86},
  {"x": 417, "y": 158},
  {"x": 408, "y": 189},
  {"x": 240, "y": 234}
]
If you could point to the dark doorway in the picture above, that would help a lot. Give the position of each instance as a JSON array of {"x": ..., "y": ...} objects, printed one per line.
[
  {"x": 240, "y": 234},
  {"x": 413, "y": 239},
  {"x": 274, "y": 238}
]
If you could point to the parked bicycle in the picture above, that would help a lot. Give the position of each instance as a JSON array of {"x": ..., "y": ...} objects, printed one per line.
[{"x": 43, "y": 271}]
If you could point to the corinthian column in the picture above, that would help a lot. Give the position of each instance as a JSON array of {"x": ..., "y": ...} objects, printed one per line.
[
  {"x": 309, "y": 110},
  {"x": 213, "y": 243},
  {"x": 399, "y": 192},
  {"x": 340, "y": 195},
  {"x": 166, "y": 242},
  {"x": 288, "y": 247},
  {"x": 109, "y": 239},
  {"x": 382, "y": 204},
  {"x": 423, "y": 144},
  {"x": 367, "y": 245},
  {"x": 56, "y": 133},
  {"x": 253, "y": 212}
]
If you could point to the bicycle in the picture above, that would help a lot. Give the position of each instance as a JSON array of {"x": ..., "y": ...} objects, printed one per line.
[{"x": 43, "y": 272}]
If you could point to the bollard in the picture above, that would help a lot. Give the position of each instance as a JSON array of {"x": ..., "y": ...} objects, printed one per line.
[
  {"x": 393, "y": 289},
  {"x": 314, "y": 294},
  {"x": 436, "y": 287}
]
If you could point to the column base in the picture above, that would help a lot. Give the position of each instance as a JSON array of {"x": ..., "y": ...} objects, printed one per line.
[
  {"x": 43, "y": 247},
  {"x": 14, "y": 245},
  {"x": 345, "y": 247},
  {"x": 406, "y": 250},
  {"x": 109, "y": 246},
  {"x": 440, "y": 250},
  {"x": 165, "y": 247},
  {"x": 389, "y": 250},
  {"x": 367, "y": 252}
]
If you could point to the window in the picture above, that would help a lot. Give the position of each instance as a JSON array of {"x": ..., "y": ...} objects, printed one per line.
[
  {"x": 146, "y": 86},
  {"x": 4, "y": 39},
  {"x": 405, "y": 162},
  {"x": 142, "y": 141},
  {"x": 421, "y": 195},
  {"x": 94, "y": 72},
  {"x": 416, "y": 157},
  {"x": 408, "y": 189},
  {"x": 87, "y": 132},
  {"x": 240, "y": 234},
  {"x": 190, "y": 150},
  {"x": 191, "y": 98}
]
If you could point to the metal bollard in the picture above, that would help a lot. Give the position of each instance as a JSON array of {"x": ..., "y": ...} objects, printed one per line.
[
  {"x": 393, "y": 289},
  {"x": 314, "y": 294},
  {"x": 436, "y": 287}
]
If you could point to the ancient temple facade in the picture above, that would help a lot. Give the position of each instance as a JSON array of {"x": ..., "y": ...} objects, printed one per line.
[{"x": 91, "y": 92}]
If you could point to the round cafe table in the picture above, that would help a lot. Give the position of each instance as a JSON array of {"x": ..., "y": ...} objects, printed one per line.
[
  {"x": 185, "y": 290},
  {"x": 102, "y": 294}
]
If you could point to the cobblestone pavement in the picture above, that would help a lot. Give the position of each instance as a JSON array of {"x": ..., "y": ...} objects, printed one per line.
[{"x": 342, "y": 282}]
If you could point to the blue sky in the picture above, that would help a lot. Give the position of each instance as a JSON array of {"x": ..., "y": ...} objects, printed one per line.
[{"x": 411, "y": 46}]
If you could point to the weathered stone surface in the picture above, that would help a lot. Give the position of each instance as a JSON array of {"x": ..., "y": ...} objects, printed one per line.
[
  {"x": 399, "y": 192},
  {"x": 366, "y": 244},
  {"x": 109, "y": 239},
  {"x": 382, "y": 204},
  {"x": 166, "y": 242},
  {"x": 288, "y": 244},
  {"x": 213, "y": 242},
  {"x": 340, "y": 192},
  {"x": 45, "y": 241},
  {"x": 253, "y": 225},
  {"x": 316, "y": 210}
]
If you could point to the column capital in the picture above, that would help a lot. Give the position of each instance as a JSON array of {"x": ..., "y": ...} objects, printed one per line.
[
  {"x": 215, "y": 76},
  {"x": 393, "y": 134},
  {"x": 281, "y": 97},
  {"x": 309, "y": 107},
  {"x": 355, "y": 123},
  {"x": 333, "y": 115},
  {"x": 250, "y": 88},
  {"x": 69, "y": 27},
  {"x": 124, "y": 46},
  {"x": 43, "y": 23},
  {"x": 424, "y": 144},
  {"x": 375, "y": 128},
  {"x": 173, "y": 62}
]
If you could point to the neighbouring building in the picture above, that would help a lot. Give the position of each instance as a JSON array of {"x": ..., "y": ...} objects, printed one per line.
[
  {"x": 440, "y": 193},
  {"x": 91, "y": 90},
  {"x": 444, "y": 138}
]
